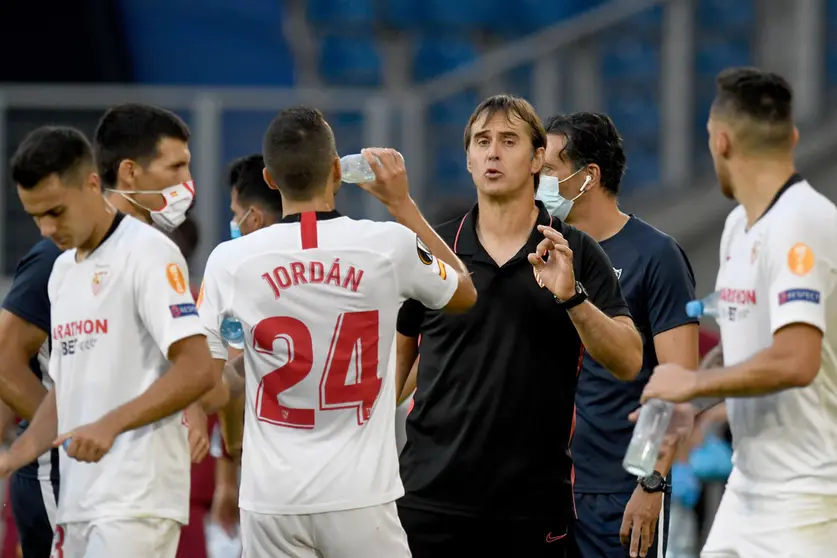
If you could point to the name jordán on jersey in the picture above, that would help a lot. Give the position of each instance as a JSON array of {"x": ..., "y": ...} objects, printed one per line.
[
  {"x": 78, "y": 335},
  {"x": 301, "y": 273}
]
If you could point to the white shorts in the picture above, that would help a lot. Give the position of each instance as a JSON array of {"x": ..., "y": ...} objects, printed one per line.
[
  {"x": 751, "y": 526},
  {"x": 373, "y": 532},
  {"x": 117, "y": 538}
]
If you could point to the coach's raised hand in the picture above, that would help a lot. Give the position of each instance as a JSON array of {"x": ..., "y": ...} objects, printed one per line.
[
  {"x": 391, "y": 185},
  {"x": 89, "y": 443}
]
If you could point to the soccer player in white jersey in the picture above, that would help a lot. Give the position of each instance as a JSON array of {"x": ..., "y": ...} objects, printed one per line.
[
  {"x": 778, "y": 318},
  {"x": 128, "y": 353},
  {"x": 318, "y": 295}
]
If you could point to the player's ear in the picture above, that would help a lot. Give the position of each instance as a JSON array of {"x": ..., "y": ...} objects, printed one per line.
[
  {"x": 269, "y": 179},
  {"x": 794, "y": 137},
  {"x": 92, "y": 182},
  {"x": 594, "y": 171},
  {"x": 127, "y": 173}
]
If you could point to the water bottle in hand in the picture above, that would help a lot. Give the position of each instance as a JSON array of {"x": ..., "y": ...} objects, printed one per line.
[
  {"x": 650, "y": 429},
  {"x": 356, "y": 169},
  {"x": 708, "y": 306},
  {"x": 232, "y": 333}
]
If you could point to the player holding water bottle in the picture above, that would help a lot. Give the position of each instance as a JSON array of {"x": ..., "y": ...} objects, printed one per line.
[{"x": 776, "y": 309}]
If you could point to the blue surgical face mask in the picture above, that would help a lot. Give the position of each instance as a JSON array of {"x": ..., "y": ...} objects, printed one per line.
[
  {"x": 235, "y": 228},
  {"x": 550, "y": 194}
]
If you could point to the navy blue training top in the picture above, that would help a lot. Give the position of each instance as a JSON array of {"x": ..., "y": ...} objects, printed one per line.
[
  {"x": 28, "y": 299},
  {"x": 657, "y": 282}
]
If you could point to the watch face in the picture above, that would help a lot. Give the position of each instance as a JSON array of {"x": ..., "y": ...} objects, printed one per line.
[{"x": 652, "y": 482}]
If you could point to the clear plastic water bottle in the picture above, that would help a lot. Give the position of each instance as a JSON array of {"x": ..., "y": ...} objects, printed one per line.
[
  {"x": 709, "y": 305},
  {"x": 356, "y": 169},
  {"x": 232, "y": 333},
  {"x": 650, "y": 429}
]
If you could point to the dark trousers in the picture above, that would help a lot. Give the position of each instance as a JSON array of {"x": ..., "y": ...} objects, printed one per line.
[
  {"x": 599, "y": 520},
  {"x": 30, "y": 513},
  {"x": 437, "y": 535}
]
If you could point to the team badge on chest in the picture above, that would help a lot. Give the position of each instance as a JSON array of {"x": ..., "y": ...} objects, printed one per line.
[{"x": 99, "y": 279}]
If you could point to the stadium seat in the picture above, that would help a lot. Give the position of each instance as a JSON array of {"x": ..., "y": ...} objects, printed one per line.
[
  {"x": 224, "y": 43},
  {"x": 531, "y": 15},
  {"x": 436, "y": 54},
  {"x": 643, "y": 169},
  {"x": 454, "y": 14},
  {"x": 454, "y": 110},
  {"x": 635, "y": 110},
  {"x": 625, "y": 57},
  {"x": 726, "y": 15},
  {"x": 350, "y": 61},
  {"x": 714, "y": 54},
  {"x": 339, "y": 14},
  {"x": 400, "y": 14}
]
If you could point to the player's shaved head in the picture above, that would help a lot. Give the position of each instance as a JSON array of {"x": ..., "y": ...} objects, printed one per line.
[
  {"x": 758, "y": 107},
  {"x": 52, "y": 150},
  {"x": 299, "y": 152}
]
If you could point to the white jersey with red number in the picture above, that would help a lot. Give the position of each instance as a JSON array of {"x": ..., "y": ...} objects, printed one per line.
[
  {"x": 782, "y": 271},
  {"x": 114, "y": 316},
  {"x": 318, "y": 296}
]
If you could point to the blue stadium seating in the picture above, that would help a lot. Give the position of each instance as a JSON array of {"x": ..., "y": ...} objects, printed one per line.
[
  {"x": 340, "y": 14},
  {"x": 629, "y": 58},
  {"x": 225, "y": 42},
  {"x": 439, "y": 53},
  {"x": 454, "y": 110},
  {"x": 715, "y": 54},
  {"x": 726, "y": 15},
  {"x": 350, "y": 60}
]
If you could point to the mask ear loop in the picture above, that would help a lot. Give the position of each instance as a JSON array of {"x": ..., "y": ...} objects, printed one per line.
[{"x": 583, "y": 187}]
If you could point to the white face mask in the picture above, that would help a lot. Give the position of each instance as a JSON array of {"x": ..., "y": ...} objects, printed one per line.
[
  {"x": 550, "y": 194},
  {"x": 178, "y": 199}
]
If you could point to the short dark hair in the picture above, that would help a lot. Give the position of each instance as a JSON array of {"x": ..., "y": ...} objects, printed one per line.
[
  {"x": 50, "y": 150},
  {"x": 245, "y": 176},
  {"x": 298, "y": 150},
  {"x": 761, "y": 101},
  {"x": 592, "y": 137},
  {"x": 509, "y": 105},
  {"x": 133, "y": 131}
]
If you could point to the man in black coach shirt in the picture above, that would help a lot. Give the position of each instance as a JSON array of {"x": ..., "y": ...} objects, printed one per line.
[{"x": 486, "y": 466}]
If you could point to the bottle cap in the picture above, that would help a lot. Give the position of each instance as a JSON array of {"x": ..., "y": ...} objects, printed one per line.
[{"x": 694, "y": 309}]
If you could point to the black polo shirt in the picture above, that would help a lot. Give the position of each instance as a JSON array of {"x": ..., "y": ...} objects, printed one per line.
[{"x": 495, "y": 405}]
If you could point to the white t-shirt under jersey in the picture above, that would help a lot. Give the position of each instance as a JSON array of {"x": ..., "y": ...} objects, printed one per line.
[
  {"x": 781, "y": 272},
  {"x": 318, "y": 296},
  {"x": 114, "y": 316}
]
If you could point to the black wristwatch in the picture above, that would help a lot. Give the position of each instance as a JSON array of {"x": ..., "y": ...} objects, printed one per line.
[
  {"x": 652, "y": 483},
  {"x": 579, "y": 297}
]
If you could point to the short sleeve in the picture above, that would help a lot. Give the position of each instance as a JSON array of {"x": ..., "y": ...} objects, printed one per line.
[
  {"x": 28, "y": 298},
  {"x": 211, "y": 304},
  {"x": 800, "y": 273},
  {"x": 421, "y": 275},
  {"x": 670, "y": 285},
  {"x": 599, "y": 279},
  {"x": 410, "y": 318},
  {"x": 164, "y": 300}
]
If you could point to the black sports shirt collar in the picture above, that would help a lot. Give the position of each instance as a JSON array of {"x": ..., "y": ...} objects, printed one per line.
[
  {"x": 467, "y": 243},
  {"x": 795, "y": 178},
  {"x": 117, "y": 219},
  {"x": 321, "y": 216}
]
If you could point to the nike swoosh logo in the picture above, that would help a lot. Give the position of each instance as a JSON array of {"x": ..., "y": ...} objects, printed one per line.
[{"x": 551, "y": 539}]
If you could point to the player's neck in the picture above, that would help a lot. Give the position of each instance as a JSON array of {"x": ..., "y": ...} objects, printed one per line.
[
  {"x": 121, "y": 204},
  {"x": 324, "y": 202},
  {"x": 102, "y": 224},
  {"x": 599, "y": 217},
  {"x": 757, "y": 181},
  {"x": 507, "y": 217}
]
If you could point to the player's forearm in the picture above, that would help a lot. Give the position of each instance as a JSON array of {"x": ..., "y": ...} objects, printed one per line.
[
  {"x": 226, "y": 473},
  {"x": 21, "y": 390},
  {"x": 231, "y": 420},
  {"x": 220, "y": 395},
  {"x": 766, "y": 372},
  {"x": 39, "y": 436},
  {"x": 185, "y": 382},
  {"x": 408, "y": 214},
  {"x": 615, "y": 345}
]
